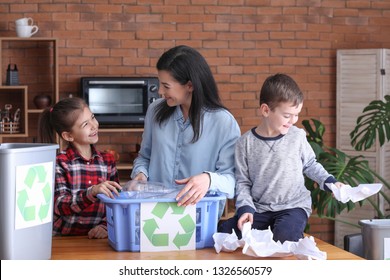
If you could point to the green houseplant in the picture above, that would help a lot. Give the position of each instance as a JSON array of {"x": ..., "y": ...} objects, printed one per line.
[{"x": 372, "y": 124}]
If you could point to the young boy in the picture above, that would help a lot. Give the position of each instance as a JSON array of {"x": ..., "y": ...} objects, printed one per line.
[{"x": 270, "y": 161}]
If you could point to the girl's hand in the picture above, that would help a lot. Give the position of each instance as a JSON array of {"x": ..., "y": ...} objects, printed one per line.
[
  {"x": 98, "y": 232},
  {"x": 194, "y": 190},
  {"x": 107, "y": 188},
  {"x": 246, "y": 217}
]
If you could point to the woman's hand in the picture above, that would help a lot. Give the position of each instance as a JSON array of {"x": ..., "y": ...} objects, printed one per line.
[
  {"x": 140, "y": 177},
  {"x": 194, "y": 190},
  {"x": 107, "y": 188},
  {"x": 246, "y": 217}
]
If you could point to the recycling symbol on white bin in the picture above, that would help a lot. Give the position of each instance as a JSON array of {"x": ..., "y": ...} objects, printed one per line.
[
  {"x": 34, "y": 199},
  {"x": 183, "y": 234}
]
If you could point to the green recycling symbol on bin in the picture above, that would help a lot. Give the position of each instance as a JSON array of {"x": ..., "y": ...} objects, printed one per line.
[
  {"x": 35, "y": 184},
  {"x": 187, "y": 225}
]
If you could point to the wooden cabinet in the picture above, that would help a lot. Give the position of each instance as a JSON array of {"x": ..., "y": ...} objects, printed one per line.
[
  {"x": 37, "y": 63},
  {"x": 124, "y": 170},
  {"x": 362, "y": 76},
  {"x": 124, "y": 142}
]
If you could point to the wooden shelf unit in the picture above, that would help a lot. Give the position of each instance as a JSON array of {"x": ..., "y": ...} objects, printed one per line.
[{"x": 37, "y": 62}]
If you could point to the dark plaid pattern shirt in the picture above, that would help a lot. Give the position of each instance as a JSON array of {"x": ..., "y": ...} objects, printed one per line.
[{"x": 76, "y": 210}]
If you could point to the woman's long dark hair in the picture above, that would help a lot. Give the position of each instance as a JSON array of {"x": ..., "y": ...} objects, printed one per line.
[{"x": 186, "y": 64}]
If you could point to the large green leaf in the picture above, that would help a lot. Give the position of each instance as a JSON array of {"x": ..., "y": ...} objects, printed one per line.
[
  {"x": 314, "y": 135},
  {"x": 374, "y": 122}
]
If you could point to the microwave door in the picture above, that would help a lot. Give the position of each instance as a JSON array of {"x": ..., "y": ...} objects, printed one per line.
[{"x": 116, "y": 100}]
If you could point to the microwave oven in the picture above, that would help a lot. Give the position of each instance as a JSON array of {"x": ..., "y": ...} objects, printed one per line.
[{"x": 119, "y": 101}]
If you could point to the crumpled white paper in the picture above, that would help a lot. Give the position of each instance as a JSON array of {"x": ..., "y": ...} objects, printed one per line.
[
  {"x": 259, "y": 243},
  {"x": 346, "y": 192}
]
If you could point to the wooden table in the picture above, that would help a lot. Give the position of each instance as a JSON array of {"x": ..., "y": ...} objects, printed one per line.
[{"x": 82, "y": 248}]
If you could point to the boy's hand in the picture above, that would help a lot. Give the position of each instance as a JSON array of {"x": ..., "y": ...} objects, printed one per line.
[
  {"x": 246, "y": 217},
  {"x": 339, "y": 184}
]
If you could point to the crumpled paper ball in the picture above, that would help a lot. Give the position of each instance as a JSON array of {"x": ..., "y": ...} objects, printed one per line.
[{"x": 260, "y": 243}]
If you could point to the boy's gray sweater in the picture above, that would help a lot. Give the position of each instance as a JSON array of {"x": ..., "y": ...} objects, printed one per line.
[{"x": 269, "y": 172}]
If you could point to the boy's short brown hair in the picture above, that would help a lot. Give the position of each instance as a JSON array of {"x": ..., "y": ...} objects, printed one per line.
[{"x": 280, "y": 88}]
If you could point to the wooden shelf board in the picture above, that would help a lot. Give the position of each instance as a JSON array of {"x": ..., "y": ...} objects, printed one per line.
[
  {"x": 130, "y": 129},
  {"x": 35, "y": 111},
  {"x": 27, "y": 39},
  {"x": 124, "y": 166}
]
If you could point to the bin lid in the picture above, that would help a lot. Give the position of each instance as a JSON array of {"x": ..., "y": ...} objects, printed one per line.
[
  {"x": 8, "y": 148},
  {"x": 376, "y": 223}
]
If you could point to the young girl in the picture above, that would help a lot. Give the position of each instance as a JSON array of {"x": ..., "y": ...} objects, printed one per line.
[{"x": 81, "y": 171}]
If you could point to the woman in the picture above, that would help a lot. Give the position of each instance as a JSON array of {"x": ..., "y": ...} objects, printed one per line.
[{"x": 189, "y": 136}]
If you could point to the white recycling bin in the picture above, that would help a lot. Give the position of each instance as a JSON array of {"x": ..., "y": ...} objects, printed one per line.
[
  {"x": 376, "y": 238},
  {"x": 26, "y": 202}
]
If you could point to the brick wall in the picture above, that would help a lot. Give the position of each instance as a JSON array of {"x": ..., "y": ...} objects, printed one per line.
[{"x": 244, "y": 41}]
